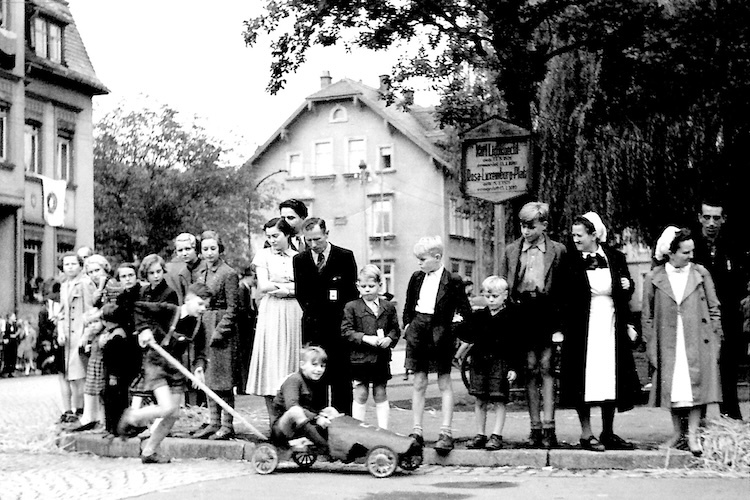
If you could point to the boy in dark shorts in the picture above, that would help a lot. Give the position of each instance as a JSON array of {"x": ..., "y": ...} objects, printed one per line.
[
  {"x": 370, "y": 326},
  {"x": 535, "y": 267},
  {"x": 492, "y": 344},
  {"x": 172, "y": 327},
  {"x": 300, "y": 407},
  {"x": 436, "y": 303}
]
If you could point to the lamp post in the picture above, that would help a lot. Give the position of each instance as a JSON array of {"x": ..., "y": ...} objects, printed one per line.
[
  {"x": 363, "y": 177},
  {"x": 250, "y": 198}
]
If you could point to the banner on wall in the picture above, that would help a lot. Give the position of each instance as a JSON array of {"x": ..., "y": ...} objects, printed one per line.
[{"x": 53, "y": 192}]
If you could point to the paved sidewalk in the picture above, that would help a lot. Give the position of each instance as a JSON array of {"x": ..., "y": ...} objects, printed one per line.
[{"x": 647, "y": 427}]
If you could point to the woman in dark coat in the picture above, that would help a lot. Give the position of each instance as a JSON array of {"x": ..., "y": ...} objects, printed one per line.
[
  {"x": 219, "y": 322},
  {"x": 597, "y": 364},
  {"x": 682, "y": 328}
]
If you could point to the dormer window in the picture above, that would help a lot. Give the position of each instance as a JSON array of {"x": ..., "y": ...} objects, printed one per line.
[
  {"x": 338, "y": 115},
  {"x": 47, "y": 39}
]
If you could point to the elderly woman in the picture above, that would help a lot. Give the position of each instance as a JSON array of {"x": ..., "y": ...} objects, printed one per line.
[
  {"x": 597, "y": 363},
  {"x": 76, "y": 299},
  {"x": 219, "y": 322},
  {"x": 682, "y": 328},
  {"x": 278, "y": 334}
]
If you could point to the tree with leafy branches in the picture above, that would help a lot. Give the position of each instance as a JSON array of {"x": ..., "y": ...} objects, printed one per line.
[{"x": 156, "y": 176}]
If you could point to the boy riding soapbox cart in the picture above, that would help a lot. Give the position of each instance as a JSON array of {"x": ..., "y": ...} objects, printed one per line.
[{"x": 348, "y": 440}]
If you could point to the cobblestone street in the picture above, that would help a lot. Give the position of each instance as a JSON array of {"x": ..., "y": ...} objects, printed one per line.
[{"x": 32, "y": 467}]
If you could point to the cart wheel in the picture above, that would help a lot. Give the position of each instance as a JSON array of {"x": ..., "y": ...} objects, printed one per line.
[
  {"x": 265, "y": 458},
  {"x": 381, "y": 461},
  {"x": 304, "y": 459},
  {"x": 410, "y": 461}
]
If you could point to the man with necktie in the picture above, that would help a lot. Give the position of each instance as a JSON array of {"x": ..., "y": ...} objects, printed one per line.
[{"x": 325, "y": 276}]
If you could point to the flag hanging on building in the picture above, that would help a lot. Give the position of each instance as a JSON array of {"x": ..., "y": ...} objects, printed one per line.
[{"x": 53, "y": 192}]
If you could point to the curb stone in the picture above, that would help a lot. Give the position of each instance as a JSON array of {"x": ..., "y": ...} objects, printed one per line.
[{"x": 184, "y": 448}]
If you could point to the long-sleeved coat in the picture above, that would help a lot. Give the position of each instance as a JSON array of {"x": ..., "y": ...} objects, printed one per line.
[
  {"x": 701, "y": 321},
  {"x": 219, "y": 322},
  {"x": 359, "y": 320},
  {"x": 573, "y": 369},
  {"x": 76, "y": 298}
]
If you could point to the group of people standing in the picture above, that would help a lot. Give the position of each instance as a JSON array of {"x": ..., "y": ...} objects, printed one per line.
[
  {"x": 310, "y": 293},
  {"x": 690, "y": 314}
]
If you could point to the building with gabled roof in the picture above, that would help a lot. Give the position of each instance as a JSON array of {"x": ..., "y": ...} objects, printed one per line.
[
  {"x": 47, "y": 83},
  {"x": 377, "y": 176}
]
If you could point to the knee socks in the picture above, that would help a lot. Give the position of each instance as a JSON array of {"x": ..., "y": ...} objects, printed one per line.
[
  {"x": 227, "y": 420},
  {"x": 382, "y": 410},
  {"x": 359, "y": 411}
]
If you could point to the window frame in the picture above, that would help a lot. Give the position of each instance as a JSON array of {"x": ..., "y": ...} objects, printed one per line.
[
  {"x": 387, "y": 201},
  {"x": 43, "y": 40},
  {"x": 388, "y": 284},
  {"x": 316, "y": 164},
  {"x": 36, "y": 148},
  {"x": 343, "y": 118},
  {"x": 381, "y": 166},
  {"x": 289, "y": 164},
  {"x": 3, "y": 134},
  {"x": 69, "y": 173},
  {"x": 351, "y": 168}
]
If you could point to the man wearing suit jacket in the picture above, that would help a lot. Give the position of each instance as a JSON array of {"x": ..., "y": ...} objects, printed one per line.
[
  {"x": 534, "y": 267},
  {"x": 325, "y": 278},
  {"x": 435, "y": 305}
]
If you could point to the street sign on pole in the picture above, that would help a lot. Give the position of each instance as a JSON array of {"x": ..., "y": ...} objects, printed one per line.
[
  {"x": 496, "y": 165},
  {"x": 496, "y": 161}
]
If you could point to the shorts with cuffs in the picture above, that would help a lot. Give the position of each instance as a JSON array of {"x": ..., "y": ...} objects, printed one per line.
[
  {"x": 158, "y": 373},
  {"x": 422, "y": 350}
]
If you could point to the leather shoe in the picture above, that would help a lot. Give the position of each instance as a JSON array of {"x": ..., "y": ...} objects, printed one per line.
[
  {"x": 222, "y": 434},
  {"x": 477, "y": 442},
  {"x": 549, "y": 439},
  {"x": 418, "y": 438},
  {"x": 444, "y": 443},
  {"x": 86, "y": 427},
  {"x": 591, "y": 444},
  {"x": 206, "y": 432},
  {"x": 535, "y": 438},
  {"x": 155, "y": 458},
  {"x": 495, "y": 442},
  {"x": 126, "y": 428},
  {"x": 615, "y": 442}
]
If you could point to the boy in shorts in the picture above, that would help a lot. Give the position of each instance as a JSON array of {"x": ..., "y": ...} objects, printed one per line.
[
  {"x": 492, "y": 344},
  {"x": 172, "y": 327},
  {"x": 370, "y": 326},
  {"x": 535, "y": 268},
  {"x": 436, "y": 303},
  {"x": 300, "y": 407}
]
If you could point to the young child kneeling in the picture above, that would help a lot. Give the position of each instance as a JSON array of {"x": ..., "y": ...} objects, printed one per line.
[
  {"x": 493, "y": 352},
  {"x": 370, "y": 326},
  {"x": 300, "y": 407}
]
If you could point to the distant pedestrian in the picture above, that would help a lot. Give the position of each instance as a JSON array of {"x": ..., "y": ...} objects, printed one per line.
[{"x": 370, "y": 326}]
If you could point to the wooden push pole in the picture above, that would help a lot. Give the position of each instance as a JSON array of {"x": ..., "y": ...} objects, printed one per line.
[{"x": 211, "y": 394}]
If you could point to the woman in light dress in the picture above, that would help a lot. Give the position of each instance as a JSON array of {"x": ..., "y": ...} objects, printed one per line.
[
  {"x": 278, "y": 334},
  {"x": 682, "y": 327}
]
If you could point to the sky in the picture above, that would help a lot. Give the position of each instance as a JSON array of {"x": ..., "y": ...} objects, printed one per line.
[{"x": 191, "y": 56}]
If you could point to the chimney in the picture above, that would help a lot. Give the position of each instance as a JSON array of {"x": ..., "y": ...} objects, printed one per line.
[
  {"x": 408, "y": 97},
  {"x": 325, "y": 79},
  {"x": 385, "y": 83}
]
